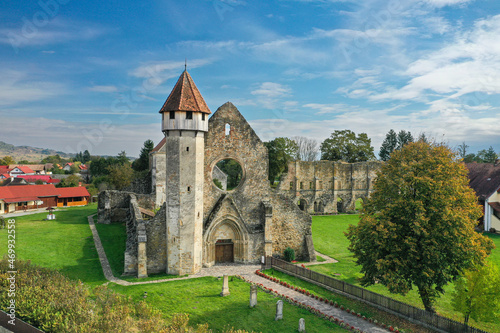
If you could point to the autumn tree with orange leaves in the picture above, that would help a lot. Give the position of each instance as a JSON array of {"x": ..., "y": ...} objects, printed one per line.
[{"x": 417, "y": 228}]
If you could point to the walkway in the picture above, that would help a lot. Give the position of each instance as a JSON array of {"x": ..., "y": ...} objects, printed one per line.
[
  {"x": 248, "y": 273},
  {"x": 328, "y": 260}
]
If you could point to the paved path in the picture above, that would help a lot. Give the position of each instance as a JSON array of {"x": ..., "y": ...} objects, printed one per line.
[
  {"x": 328, "y": 260},
  {"x": 330, "y": 310},
  {"x": 248, "y": 273}
]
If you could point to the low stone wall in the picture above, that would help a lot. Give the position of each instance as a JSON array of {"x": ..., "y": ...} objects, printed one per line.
[{"x": 113, "y": 206}]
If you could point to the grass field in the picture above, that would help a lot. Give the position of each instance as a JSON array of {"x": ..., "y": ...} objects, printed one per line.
[
  {"x": 329, "y": 239},
  {"x": 66, "y": 244},
  {"x": 200, "y": 299}
]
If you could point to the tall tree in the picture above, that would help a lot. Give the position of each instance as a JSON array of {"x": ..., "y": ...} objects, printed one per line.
[
  {"x": 389, "y": 145},
  {"x": 477, "y": 294},
  {"x": 486, "y": 156},
  {"x": 346, "y": 146},
  {"x": 307, "y": 148},
  {"x": 405, "y": 137},
  {"x": 418, "y": 226},
  {"x": 462, "y": 150},
  {"x": 142, "y": 163},
  {"x": 86, "y": 156},
  {"x": 120, "y": 175},
  {"x": 281, "y": 152}
]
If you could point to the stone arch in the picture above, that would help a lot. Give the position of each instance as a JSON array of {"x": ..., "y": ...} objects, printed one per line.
[
  {"x": 303, "y": 205},
  {"x": 340, "y": 205},
  {"x": 227, "y": 229}
]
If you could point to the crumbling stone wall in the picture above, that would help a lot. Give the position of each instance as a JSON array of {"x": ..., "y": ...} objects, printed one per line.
[
  {"x": 242, "y": 208},
  {"x": 326, "y": 187},
  {"x": 114, "y": 206}
]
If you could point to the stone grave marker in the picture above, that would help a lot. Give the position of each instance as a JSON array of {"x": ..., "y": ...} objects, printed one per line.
[
  {"x": 302, "y": 325},
  {"x": 225, "y": 286},
  {"x": 279, "y": 310},
  {"x": 253, "y": 295}
]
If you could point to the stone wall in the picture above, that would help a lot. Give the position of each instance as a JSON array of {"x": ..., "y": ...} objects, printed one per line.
[
  {"x": 326, "y": 187},
  {"x": 113, "y": 206},
  {"x": 242, "y": 210}
]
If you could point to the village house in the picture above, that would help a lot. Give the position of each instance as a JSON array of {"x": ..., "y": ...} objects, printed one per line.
[
  {"x": 484, "y": 178},
  {"x": 16, "y": 198}
]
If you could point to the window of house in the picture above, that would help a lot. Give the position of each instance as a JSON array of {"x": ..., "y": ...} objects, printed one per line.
[
  {"x": 189, "y": 115},
  {"x": 496, "y": 213},
  {"x": 187, "y": 148},
  {"x": 172, "y": 114}
]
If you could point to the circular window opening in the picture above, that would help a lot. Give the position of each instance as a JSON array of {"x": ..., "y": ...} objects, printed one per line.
[{"x": 227, "y": 174}]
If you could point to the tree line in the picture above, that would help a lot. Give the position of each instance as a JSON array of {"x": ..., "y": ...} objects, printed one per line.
[{"x": 347, "y": 146}]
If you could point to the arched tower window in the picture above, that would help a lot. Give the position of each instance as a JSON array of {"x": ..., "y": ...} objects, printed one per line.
[{"x": 228, "y": 129}]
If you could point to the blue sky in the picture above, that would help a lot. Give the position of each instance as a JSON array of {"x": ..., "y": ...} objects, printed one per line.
[{"x": 92, "y": 75}]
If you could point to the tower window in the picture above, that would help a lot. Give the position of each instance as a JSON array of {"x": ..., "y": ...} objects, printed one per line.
[
  {"x": 228, "y": 129},
  {"x": 291, "y": 185},
  {"x": 187, "y": 148},
  {"x": 189, "y": 188},
  {"x": 301, "y": 186},
  {"x": 310, "y": 185},
  {"x": 202, "y": 116},
  {"x": 172, "y": 114},
  {"x": 189, "y": 115}
]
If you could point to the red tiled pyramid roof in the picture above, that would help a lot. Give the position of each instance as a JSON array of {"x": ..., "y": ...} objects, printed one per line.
[{"x": 185, "y": 97}]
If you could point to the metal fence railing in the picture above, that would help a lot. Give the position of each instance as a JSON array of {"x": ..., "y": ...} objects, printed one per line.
[{"x": 431, "y": 319}]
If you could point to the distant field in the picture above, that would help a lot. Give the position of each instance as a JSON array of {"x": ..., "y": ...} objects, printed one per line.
[{"x": 329, "y": 239}]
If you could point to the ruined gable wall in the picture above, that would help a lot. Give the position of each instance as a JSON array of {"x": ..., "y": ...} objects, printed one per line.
[{"x": 289, "y": 225}]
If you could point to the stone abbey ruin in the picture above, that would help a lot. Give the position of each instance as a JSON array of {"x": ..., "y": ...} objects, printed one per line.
[{"x": 200, "y": 223}]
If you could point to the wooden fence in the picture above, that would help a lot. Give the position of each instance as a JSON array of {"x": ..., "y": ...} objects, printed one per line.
[{"x": 403, "y": 309}]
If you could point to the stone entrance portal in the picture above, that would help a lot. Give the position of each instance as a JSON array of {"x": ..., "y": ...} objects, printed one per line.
[{"x": 224, "y": 251}]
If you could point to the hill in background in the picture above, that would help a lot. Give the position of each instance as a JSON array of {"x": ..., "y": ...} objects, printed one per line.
[{"x": 32, "y": 154}]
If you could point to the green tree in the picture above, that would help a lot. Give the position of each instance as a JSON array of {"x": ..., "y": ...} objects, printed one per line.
[
  {"x": 405, "y": 137},
  {"x": 7, "y": 160},
  {"x": 486, "y": 156},
  {"x": 281, "y": 151},
  {"x": 71, "y": 181},
  {"x": 86, "y": 156},
  {"x": 142, "y": 163},
  {"x": 120, "y": 175},
  {"x": 417, "y": 228},
  {"x": 346, "y": 146},
  {"x": 388, "y": 146},
  {"x": 477, "y": 294},
  {"x": 233, "y": 171},
  {"x": 462, "y": 150}
]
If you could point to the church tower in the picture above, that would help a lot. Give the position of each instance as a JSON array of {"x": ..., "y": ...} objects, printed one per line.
[{"x": 184, "y": 123}]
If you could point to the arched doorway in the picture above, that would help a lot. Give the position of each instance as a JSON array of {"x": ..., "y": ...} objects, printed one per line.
[
  {"x": 302, "y": 203},
  {"x": 226, "y": 241},
  {"x": 340, "y": 205}
]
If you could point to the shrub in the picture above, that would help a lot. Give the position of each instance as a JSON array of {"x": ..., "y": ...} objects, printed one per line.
[
  {"x": 289, "y": 254},
  {"x": 50, "y": 301}
]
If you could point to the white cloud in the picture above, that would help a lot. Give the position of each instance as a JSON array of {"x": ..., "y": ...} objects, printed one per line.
[
  {"x": 53, "y": 32},
  {"x": 271, "y": 90},
  {"x": 442, "y": 3},
  {"x": 106, "y": 89},
  {"x": 17, "y": 87}
]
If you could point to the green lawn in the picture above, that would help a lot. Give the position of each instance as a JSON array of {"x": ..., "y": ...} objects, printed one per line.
[
  {"x": 329, "y": 239},
  {"x": 200, "y": 299},
  {"x": 64, "y": 244}
]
